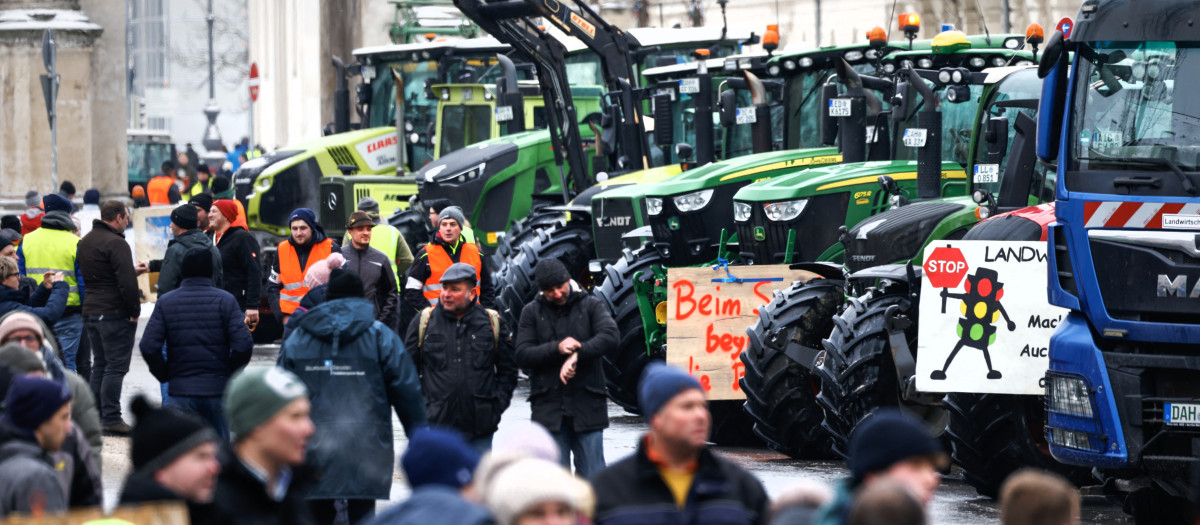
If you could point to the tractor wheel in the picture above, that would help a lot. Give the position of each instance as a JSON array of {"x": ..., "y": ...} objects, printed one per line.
[
  {"x": 994, "y": 435},
  {"x": 857, "y": 372},
  {"x": 521, "y": 232},
  {"x": 623, "y": 367},
  {"x": 414, "y": 227},
  {"x": 570, "y": 243},
  {"x": 731, "y": 425},
  {"x": 780, "y": 391}
]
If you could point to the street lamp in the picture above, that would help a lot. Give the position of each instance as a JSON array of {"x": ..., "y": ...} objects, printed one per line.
[{"x": 212, "y": 136}]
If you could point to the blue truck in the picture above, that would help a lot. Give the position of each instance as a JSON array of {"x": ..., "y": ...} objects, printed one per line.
[{"x": 1123, "y": 388}]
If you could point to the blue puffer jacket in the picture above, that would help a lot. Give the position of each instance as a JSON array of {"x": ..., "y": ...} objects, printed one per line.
[
  {"x": 206, "y": 337},
  {"x": 355, "y": 368},
  {"x": 46, "y": 304}
]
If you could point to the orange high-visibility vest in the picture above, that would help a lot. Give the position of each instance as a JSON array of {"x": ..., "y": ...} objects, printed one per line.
[
  {"x": 158, "y": 190},
  {"x": 439, "y": 262},
  {"x": 291, "y": 276}
]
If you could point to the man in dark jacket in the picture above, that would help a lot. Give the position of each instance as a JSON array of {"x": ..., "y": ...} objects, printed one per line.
[
  {"x": 265, "y": 480},
  {"x": 372, "y": 266},
  {"x": 355, "y": 368},
  {"x": 468, "y": 371},
  {"x": 174, "y": 457},
  {"x": 110, "y": 309},
  {"x": 37, "y": 418},
  {"x": 448, "y": 247},
  {"x": 204, "y": 346},
  {"x": 188, "y": 236},
  {"x": 239, "y": 258},
  {"x": 562, "y": 336},
  {"x": 673, "y": 477}
]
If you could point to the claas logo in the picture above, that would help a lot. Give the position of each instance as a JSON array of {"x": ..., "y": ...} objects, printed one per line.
[{"x": 980, "y": 309}]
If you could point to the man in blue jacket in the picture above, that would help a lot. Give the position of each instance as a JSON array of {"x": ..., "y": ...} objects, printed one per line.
[
  {"x": 355, "y": 369},
  {"x": 206, "y": 341}
]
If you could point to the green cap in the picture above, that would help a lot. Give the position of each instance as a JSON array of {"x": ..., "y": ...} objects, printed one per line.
[{"x": 255, "y": 394}]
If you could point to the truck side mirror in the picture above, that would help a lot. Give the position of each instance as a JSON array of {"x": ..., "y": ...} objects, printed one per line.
[
  {"x": 829, "y": 123},
  {"x": 664, "y": 121},
  {"x": 683, "y": 150},
  {"x": 996, "y": 137},
  {"x": 727, "y": 107},
  {"x": 1052, "y": 106}
]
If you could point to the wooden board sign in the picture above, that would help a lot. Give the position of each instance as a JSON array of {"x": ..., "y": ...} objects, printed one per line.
[
  {"x": 152, "y": 233},
  {"x": 162, "y": 513},
  {"x": 707, "y": 321}
]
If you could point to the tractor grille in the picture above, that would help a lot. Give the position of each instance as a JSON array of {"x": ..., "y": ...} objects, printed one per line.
[
  {"x": 341, "y": 156},
  {"x": 692, "y": 237},
  {"x": 613, "y": 218},
  {"x": 1146, "y": 283},
  {"x": 816, "y": 230}
]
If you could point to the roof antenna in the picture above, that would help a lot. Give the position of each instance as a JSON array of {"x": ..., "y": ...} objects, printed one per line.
[
  {"x": 888, "y": 23},
  {"x": 724, "y": 21},
  {"x": 983, "y": 19}
]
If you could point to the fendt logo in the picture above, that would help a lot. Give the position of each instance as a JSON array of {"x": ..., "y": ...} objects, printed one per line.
[
  {"x": 1177, "y": 287},
  {"x": 606, "y": 222}
]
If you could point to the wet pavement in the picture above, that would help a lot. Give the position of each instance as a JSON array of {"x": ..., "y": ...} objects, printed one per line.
[{"x": 955, "y": 503}]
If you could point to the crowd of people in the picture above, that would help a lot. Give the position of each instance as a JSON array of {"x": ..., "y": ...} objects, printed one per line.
[{"x": 371, "y": 329}]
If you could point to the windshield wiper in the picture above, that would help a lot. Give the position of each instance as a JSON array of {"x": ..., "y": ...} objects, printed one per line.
[{"x": 1188, "y": 186}]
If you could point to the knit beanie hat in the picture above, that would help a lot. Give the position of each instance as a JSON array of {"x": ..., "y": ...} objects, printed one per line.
[
  {"x": 368, "y": 203},
  {"x": 20, "y": 320},
  {"x": 10, "y": 222},
  {"x": 453, "y": 212},
  {"x": 318, "y": 274},
  {"x": 886, "y": 438},
  {"x": 528, "y": 482},
  {"x": 91, "y": 196},
  {"x": 56, "y": 202},
  {"x": 197, "y": 262},
  {"x": 220, "y": 185},
  {"x": 10, "y": 236},
  {"x": 342, "y": 284},
  {"x": 20, "y": 358},
  {"x": 255, "y": 394},
  {"x": 204, "y": 202},
  {"x": 185, "y": 217},
  {"x": 527, "y": 437},
  {"x": 32, "y": 199},
  {"x": 32, "y": 401},
  {"x": 162, "y": 435},
  {"x": 310, "y": 218},
  {"x": 660, "y": 383},
  {"x": 550, "y": 273},
  {"x": 228, "y": 208},
  {"x": 438, "y": 456}
]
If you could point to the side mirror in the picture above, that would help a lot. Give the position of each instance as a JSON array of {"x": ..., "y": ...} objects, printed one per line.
[
  {"x": 900, "y": 106},
  {"x": 664, "y": 121},
  {"x": 727, "y": 107},
  {"x": 1051, "y": 54},
  {"x": 829, "y": 124},
  {"x": 1052, "y": 105},
  {"x": 996, "y": 138},
  {"x": 683, "y": 151},
  {"x": 889, "y": 185}
]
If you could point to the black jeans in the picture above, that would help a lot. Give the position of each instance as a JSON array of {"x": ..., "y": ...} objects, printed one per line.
[{"x": 112, "y": 347}]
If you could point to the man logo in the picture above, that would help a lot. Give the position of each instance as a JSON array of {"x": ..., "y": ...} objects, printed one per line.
[{"x": 760, "y": 233}]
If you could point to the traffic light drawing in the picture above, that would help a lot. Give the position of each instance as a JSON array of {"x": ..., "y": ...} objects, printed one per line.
[{"x": 980, "y": 308}]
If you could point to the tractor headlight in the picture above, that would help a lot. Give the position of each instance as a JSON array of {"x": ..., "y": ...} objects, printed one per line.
[
  {"x": 653, "y": 205},
  {"x": 978, "y": 62},
  {"x": 1068, "y": 395},
  {"x": 853, "y": 56},
  {"x": 889, "y": 67},
  {"x": 784, "y": 211},
  {"x": 693, "y": 201},
  {"x": 741, "y": 211},
  {"x": 925, "y": 63},
  {"x": 790, "y": 65},
  {"x": 998, "y": 61},
  {"x": 464, "y": 176},
  {"x": 806, "y": 62},
  {"x": 1012, "y": 43},
  {"x": 773, "y": 70},
  {"x": 264, "y": 183}
]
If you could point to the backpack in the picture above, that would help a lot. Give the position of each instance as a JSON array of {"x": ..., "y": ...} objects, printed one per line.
[{"x": 493, "y": 316}]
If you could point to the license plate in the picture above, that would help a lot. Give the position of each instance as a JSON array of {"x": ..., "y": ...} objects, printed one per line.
[
  {"x": 504, "y": 113},
  {"x": 987, "y": 173},
  {"x": 839, "y": 107},
  {"x": 689, "y": 85},
  {"x": 914, "y": 137},
  {"x": 746, "y": 116},
  {"x": 1181, "y": 414}
]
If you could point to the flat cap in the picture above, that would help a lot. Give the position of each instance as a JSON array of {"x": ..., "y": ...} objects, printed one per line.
[{"x": 459, "y": 272}]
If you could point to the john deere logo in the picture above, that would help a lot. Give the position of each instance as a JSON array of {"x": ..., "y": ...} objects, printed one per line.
[
  {"x": 760, "y": 233},
  {"x": 673, "y": 223}
]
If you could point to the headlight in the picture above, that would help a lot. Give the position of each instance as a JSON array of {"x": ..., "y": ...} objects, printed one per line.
[
  {"x": 773, "y": 70},
  {"x": 413, "y": 138},
  {"x": 653, "y": 205},
  {"x": 944, "y": 76},
  {"x": 998, "y": 61},
  {"x": 464, "y": 176},
  {"x": 1012, "y": 43},
  {"x": 956, "y": 76},
  {"x": 1024, "y": 63},
  {"x": 925, "y": 63},
  {"x": 906, "y": 64},
  {"x": 1068, "y": 395},
  {"x": 741, "y": 211},
  {"x": 977, "y": 62},
  {"x": 853, "y": 56},
  {"x": 872, "y": 54},
  {"x": 264, "y": 183},
  {"x": 1071, "y": 439},
  {"x": 790, "y": 64},
  {"x": 693, "y": 201},
  {"x": 889, "y": 67},
  {"x": 806, "y": 61},
  {"x": 784, "y": 211}
]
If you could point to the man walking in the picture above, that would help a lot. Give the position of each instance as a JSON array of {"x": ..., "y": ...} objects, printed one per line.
[
  {"x": 110, "y": 309},
  {"x": 203, "y": 345},
  {"x": 356, "y": 368},
  {"x": 188, "y": 236},
  {"x": 37, "y": 418},
  {"x": 468, "y": 370},
  {"x": 448, "y": 247},
  {"x": 562, "y": 335},
  {"x": 307, "y": 245},
  {"x": 162, "y": 189},
  {"x": 241, "y": 272},
  {"x": 673, "y": 477},
  {"x": 372, "y": 266},
  {"x": 54, "y": 248},
  {"x": 386, "y": 238}
]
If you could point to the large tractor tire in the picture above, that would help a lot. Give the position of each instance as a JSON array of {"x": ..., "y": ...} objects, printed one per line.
[
  {"x": 521, "y": 232},
  {"x": 857, "y": 372},
  {"x": 731, "y": 425},
  {"x": 781, "y": 393},
  {"x": 414, "y": 227},
  {"x": 623, "y": 367},
  {"x": 570, "y": 243}
]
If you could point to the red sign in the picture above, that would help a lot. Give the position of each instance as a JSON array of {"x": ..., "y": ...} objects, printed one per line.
[
  {"x": 1065, "y": 25},
  {"x": 254, "y": 82},
  {"x": 945, "y": 267}
]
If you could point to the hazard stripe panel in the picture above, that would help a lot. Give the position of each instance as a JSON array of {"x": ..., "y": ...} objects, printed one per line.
[{"x": 1118, "y": 214}]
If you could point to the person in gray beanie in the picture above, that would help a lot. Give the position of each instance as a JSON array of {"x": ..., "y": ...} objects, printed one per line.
[
  {"x": 423, "y": 285},
  {"x": 562, "y": 335},
  {"x": 31, "y": 219}
]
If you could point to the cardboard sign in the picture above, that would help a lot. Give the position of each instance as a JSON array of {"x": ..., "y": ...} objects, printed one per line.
[
  {"x": 152, "y": 232},
  {"x": 988, "y": 332},
  {"x": 161, "y": 513},
  {"x": 707, "y": 321}
]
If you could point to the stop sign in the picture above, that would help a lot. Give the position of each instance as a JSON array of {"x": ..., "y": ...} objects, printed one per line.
[
  {"x": 254, "y": 82},
  {"x": 945, "y": 267}
]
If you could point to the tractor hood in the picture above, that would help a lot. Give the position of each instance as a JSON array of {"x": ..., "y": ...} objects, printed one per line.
[
  {"x": 489, "y": 156},
  {"x": 742, "y": 170},
  {"x": 829, "y": 179}
]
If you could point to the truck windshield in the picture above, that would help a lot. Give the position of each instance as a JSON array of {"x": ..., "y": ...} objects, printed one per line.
[
  {"x": 1128, "y": 111},
  {"x": 957, "y": 123},
  {"x": 1021, "y": 85},
  {"x": 383, "y": 91}
]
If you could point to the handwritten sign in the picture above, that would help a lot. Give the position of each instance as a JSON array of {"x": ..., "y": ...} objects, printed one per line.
[
  {"x": 152, "y": 231},
  {"x": 163, "y": 513},
  {"x": 706, "y": 321}
]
